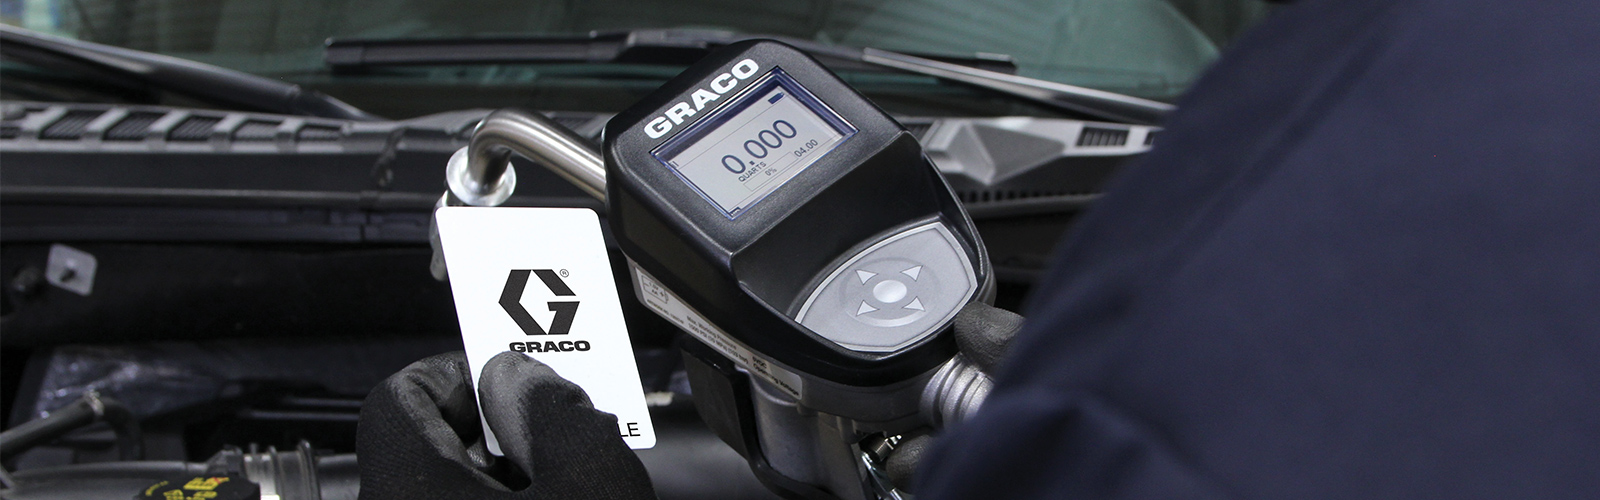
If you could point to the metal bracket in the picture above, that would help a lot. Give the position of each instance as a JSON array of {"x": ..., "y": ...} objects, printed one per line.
[{"x": 71, "y": 269}]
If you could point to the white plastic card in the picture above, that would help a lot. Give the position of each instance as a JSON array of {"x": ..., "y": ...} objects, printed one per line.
[{"x": 538, "y": 281}]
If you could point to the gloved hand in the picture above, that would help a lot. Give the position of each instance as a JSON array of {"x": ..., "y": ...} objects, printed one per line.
[
  {"x": 983, "y": 333},
  {"x": 420, "y": 438}
]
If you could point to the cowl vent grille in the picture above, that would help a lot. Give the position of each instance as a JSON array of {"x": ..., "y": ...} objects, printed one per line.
[
  {"x": 70, "y": 126},
  {"x": 993, "y": 195},
  {"x": 256, "y": 131},
  {"x": 194, "y": 129},
  {"x": 1102, "y": 137},
  {"x": 319, "y": 134},
  {"x": 132, "y": 128}
]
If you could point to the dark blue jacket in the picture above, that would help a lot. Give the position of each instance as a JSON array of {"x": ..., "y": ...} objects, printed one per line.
[{"x": 1363, "y": 261}]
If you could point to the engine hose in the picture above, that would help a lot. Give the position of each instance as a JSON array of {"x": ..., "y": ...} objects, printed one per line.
[{"x": 81, "y": 413}]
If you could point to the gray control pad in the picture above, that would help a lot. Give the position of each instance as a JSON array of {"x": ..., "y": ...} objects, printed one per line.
[{"x": 893, "y": 293}]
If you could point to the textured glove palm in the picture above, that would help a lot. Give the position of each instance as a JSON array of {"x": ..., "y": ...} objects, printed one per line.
[{"x": 420, "y": 438}]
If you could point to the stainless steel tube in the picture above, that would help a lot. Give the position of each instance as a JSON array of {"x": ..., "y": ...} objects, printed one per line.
[{"x": 481, "y": 173}]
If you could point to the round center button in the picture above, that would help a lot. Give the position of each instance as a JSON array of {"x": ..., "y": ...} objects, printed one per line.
[{"x": 889, "y": 291}]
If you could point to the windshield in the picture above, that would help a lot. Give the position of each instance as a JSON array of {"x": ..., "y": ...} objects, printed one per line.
[{"x": 1146, "y": 48}]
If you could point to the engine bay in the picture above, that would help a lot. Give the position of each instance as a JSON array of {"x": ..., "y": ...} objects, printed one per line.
[
  {"x": 230, "y": 263},
  {"x": 254, "y": 274}
]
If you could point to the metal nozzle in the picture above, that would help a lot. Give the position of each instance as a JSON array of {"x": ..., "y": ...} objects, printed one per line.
[{"x": 481, "y": 174}]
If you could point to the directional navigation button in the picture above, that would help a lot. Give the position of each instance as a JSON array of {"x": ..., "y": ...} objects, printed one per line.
[
  {"x": 913, "y": 272},
  {"x": 899, "y": 290},
  {"x": 889, "y": 291}
]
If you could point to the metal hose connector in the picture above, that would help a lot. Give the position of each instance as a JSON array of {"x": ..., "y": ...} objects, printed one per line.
[
  {"x": 481, "y": 174},
  {"x": 955, "y": 392}
]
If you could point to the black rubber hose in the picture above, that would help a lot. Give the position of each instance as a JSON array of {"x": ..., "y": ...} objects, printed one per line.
[
  {"x": 35, "y": 432},
  {"x": 130, "y": 444},
  {"x": 81, "y": 413}
]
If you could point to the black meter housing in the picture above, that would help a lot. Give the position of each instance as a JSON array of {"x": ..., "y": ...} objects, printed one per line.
[{"x": 769, "y": 195}]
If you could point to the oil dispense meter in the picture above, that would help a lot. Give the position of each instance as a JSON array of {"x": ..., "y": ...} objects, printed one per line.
[{"x": 799, "y": 234}]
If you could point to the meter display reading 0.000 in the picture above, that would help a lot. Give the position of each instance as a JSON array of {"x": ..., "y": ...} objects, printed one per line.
[{"x": 755, "y": 144}]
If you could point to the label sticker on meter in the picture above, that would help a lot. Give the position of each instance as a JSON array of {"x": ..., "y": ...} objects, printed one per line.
[
  {"x": 668, "y": 305},
  {"x": 538, "y": 281}
]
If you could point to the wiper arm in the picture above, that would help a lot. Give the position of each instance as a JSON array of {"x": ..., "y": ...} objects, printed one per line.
[
  {"x": 203, "y": 81},
  {"x": 688, "y": 46},
  {"x": 1109, "y": 105}
]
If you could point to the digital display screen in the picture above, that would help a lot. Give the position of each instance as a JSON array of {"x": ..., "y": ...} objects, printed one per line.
[{"x": 755, "y": 143}]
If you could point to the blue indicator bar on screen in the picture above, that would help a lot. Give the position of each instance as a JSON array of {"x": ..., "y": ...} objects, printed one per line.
[{"x": 775, "y": 98}]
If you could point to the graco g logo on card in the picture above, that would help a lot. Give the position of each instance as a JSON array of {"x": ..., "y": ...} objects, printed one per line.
[{"x": 561, "y": 324}]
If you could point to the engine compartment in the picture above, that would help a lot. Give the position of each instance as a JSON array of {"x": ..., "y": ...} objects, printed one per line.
[{"x": 254, "y": 275}]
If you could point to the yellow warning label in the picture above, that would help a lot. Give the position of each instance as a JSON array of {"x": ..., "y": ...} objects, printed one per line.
[
  {"x": 205, "y": 483},
  {"x": 152, "y": 489}
]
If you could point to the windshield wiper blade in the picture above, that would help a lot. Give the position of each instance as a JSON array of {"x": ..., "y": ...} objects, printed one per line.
[
  {"x": 235, "y": 89},
  {"x": 687, "y": 46},
  {"x": 652, "y": 46}
]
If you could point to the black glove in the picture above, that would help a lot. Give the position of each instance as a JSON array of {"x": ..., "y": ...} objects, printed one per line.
[
  {"x": 983, "y": 333},
  {"x": 420, "y": 438}
]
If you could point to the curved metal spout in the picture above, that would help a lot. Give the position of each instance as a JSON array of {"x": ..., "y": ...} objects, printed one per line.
[{"x": 481, "y": 174}]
